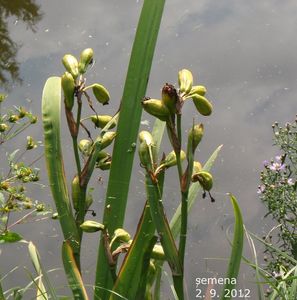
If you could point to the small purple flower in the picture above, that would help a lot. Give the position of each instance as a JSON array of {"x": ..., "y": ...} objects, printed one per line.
[
  {"x": 290, "y": 181},
  {"x": 276, "y": 166},
  {"x": 278, "y": 158},
  {"x": 265, "y": 163},
  {"x": 261, "y": 189}
]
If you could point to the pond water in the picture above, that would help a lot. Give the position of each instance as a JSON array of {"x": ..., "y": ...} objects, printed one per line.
[{"x": 244, "y": 52}]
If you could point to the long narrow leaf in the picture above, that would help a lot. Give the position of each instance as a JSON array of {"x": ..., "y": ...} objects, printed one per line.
[
  {"x": 42, "y": 292},
  {"x": 51, "y": 106},
  {"x": 128, "y": 125},
  {"x": 73, "y": 274},
  {"x": 237, "y": 246}
]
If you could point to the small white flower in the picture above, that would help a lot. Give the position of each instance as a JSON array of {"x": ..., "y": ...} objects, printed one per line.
[{"x": 290, "y": 181}]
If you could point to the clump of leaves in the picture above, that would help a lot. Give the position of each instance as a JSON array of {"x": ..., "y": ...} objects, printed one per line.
[{"x": 278, "y": 192}]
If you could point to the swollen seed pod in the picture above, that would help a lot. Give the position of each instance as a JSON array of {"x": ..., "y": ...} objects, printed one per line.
[
  {"x": 85, "y": 147},
  {"x": 121, "y": 235},
  {"x": 170, "y": 159},
  {"x": 195, "y": 135},
  {"x": 156, "y": 108},
  {"x": 71, "y": 64},
  {"x": 104, "y": 165},
  {"x": 91, "y": 226},
  {"x": 75, "y": 192},
  {"x": 86, "y": 58},
  {"x": 13, "y": 118},
  {"x": 102, "y": 155},
  {"x": 144, "y": 154},
  {"x": 198, "y": 89},
  {"x": 3, "y": 127},
  {"x": 204, "y": 178},
  {"x": 197, "y": 167},
  {"x": 158, "y": 253},
  {"x": 185, "y": 81},
  {"x": 68, "y": 86},
  {"x": 203, "y": 106},
  {"x": 107, "y": 139},
  {"x": 146, "y": 137},
  {"x": 102, "y": 120},
  {"x": 101, "y": 93},
  {"x": 169, "y": 97}
]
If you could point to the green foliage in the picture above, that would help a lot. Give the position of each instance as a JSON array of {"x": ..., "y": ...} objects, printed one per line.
[{"x": 278, "y": 192}]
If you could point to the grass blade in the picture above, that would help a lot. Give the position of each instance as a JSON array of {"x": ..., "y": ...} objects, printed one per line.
[
  {"x": 73, "y": 274},
  {"x": 237, "y": 247},
  {"x": 42, "y": 293},
  {"x": 51, "y": 106},
  {"x": 128, "y": 125}
]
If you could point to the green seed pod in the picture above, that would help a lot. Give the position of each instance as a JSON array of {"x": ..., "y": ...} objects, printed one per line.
[
  {"x": 121, "y": 235},
  {"x": 197, "y": 167},
  {"x": 22, "y": 112},
  {"x": 86, "y": 58},
  {"x": 185, "y": 81},
  {"x": 13, "y": 118},
  {"x": 102, "y": 155},
  {"x": 101, "y": 121},
  {"x": 71, "y": 64},
  {"x": 107, "y": 139},
  {"x": 198, "y": 89},
  {"x": 91, "y": 226},
  {"x": 68, "y": 86},
  {"x": 169, "y": 97},
  {"x": 31, "y": 144},
  {"x": 158, "y": 253},
  {"x": 33, "y": 119},
  {"x": 195, "y": 135},
  {"x": 85, "y": 147},
  {"x": 144, "y": 154},
  {"x": 203, "y": 106},
  {"x": 101, "y": 93},
  {"x": 75, "y": 192},
  {"x": 104, "y": 165},
  {"x": 170, "y": 159},
  {"x": 89, "y": 198},
  {"x": 145, "y": 136},
  {"x": 3, "y": 127},
  {"x": 156, "y": 108},
  {"x": 204, "y": 178}
]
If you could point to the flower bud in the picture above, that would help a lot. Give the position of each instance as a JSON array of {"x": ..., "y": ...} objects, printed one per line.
[
  {"x": 156, "y": 108},
  {"x": 203, "y": 106},
  {"x": 75, "y": 192},
  {"x": 102, "y": 155},
  {"x": 2, "y": 97},
  {"x": 195, "y": 135},
  {"x": 170, "y": 159},
  {"x": 71, "y": 64},
  {"x": 198, "y": 89},
  {"x": 158, "y": 253},
  {"x": 104, "y": 164},
  {"x": 144, "y": 154},
  {"x": 31, "y": 144},
  {"x": 121, "y": 235},
  {"x": 185, "y": 81},
  {"x": 22, "y": 112},
  {"x": 86, "y": 58},
  {"x": 204, "y": 178},
  {"x": 101, "y": 93},
  {"x": 101, "y": 121},
  {"x": 169, "y": 97},
  {"x": 91, "y": 226},
  {"x": 3, "y": 127},
  {"x": 68, "y": 86}
]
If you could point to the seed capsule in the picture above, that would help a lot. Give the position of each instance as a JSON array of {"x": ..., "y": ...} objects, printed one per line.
[
  {"x": 85, "y": 147},
  {"x": 71, "y": 64},
  {"x": 144, "y": 154},
  {"x": 198, "y": 89},
  {"x": 68, "y": 86},
  {"x": 156, "y": 108},
  {"x": 91, "y": 226},
  {"x": 158, "y": 253},
  {"x": 203, "y": 106},
  {"x": 107, "y": 139},
  {"x": 101, "y": 93},
  {"x": 3, "y": 127},
  {"x": 13, "y": 118},
  {"x": 195, "y": 136},
  {"x": 75, "y": 192},
  {"x": 145, "y": 136},
  {"x": 101, "y": 121},
  {"x": 204, "y": 178},
  {"x": 104, "y": 165},
  {"x": 169, "y": 97},
  {"x": 86, "y": 58},
  {"x": 122, "y": 235},
  {"x": 185, "y": 81},
  {"x": 170, "y": 159}
]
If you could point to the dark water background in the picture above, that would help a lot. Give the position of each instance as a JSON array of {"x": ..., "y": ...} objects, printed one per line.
[{"x": 244, "y": 52}]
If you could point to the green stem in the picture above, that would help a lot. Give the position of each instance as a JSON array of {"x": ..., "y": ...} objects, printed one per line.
[{"x": 76, "y": 155}]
